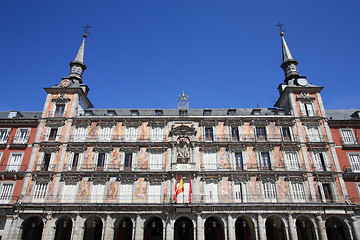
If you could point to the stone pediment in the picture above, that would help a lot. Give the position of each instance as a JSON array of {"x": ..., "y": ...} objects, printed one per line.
[{"x": 183, "y": 130}]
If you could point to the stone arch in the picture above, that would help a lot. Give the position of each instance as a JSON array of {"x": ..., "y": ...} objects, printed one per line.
[
  {"x": 244, "y": 228},
  {"x": 153, "y": 228},
  {"x": 123, "y": 228},
  {"x": 183, "y": 228},
  {"x": 63, "y": 226},
  {"x": 275, "y": 228},
  {"x": 93, "y": 228},
  {"x": 32, "y": 228},
  {"x": 337, "y": 228},
  {"x": 214, "y": 228},
  {"x": 305, "y": 228}
]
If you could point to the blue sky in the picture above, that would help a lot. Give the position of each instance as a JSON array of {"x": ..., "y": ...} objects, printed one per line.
[{"x": 144, "y": 53}]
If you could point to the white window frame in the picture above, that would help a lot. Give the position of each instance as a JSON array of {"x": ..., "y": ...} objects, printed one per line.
[
  {"x": 355, "y": 166},
  {"x": 331, "y": 185},
  {"x": 54, "y": 111},
  {"x": 74, "y": 189},
  {"x": 23, "y": 139},
  {"x": 51, "y": 162},
  {"x": 156, "y": 162},
  {"x": 105, "y": 133},
  {"x": 58, "y": 131},
  {"x": 269, "y": 191},
  {"x": 157, "y": 134},
  {"x": 348, "y": 140},
  {"x": 212, "y": 162},
  {"x": 7, "y": 196},
  {"x": 15, "y": 167},
  {"x": 213, "y": 134},
  {"x": 5, "y": 137},
  {"x": 96, "y": 159},
  {"x": 131, "y": 134},
  {"x": 297, "y": 191},
  {"x": 312, "y": 136},
  {"x": 238, "y": 192},
  {"x": 307, "y": 108},
  {"x": 292, "y": 160},
  {"x": 70, "y": 160},
  {"x": 292, "y": 138},
  {"x": 154, "y": 198},
  {"x": 37, "y": 195},
  {"x": 317, "y": 161},
  {"x": 80, "y": 133}
]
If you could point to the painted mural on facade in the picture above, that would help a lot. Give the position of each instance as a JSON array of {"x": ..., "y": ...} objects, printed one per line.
[
  {"x": 144, "y": 132},
  {"x": 118, "y": 131},
  {"x": 284, "y": 191},
  {"x": 226, "y": 193},
  {"x": 93, "y": 131},
  {"x": 278, "y": 158},
  {"x": 222, "y": 132},
  {"x": 88, "y": 159},
  {"x": 251, "y": 160},
  {"x": 254, "y": 190},
  {"x": 115, "y": 159},
  {"x": 224, "y": 158},
  {"x": 84, "y": 190},
  {"x": 142, "y": 160},
  {"x": 140, "y": 190},
  {"x": 111, "y": 191}
]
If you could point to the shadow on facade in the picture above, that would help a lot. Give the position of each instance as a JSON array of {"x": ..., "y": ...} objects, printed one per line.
[
  {"x": 183, "y": 229},
  {"x": 32, "y": 229},
  {"x": 214, "y": 229},
  {"x": 153, "y": 229},
  {"x": 244, "y": 229},
  {"x": 63, "y": 229},
  {"x": 275, "y": 229},
  {"x": 336, "y": 229}
]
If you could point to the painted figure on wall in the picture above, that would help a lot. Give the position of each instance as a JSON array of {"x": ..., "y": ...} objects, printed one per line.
[
  {"x": 225, "y": 190},
  {"x": 115, "y": 159},
  {"x": 118, "y": 131},
  {"x": 251, "y": 158},
  {"x": 111, "y": 191},
  {"x": 278, "y": 158},
  {"x": 140, "y": 190},
  {"x": 88, "y": 159},
  {"x": 84, "y": 190},
  {"x": 144, "y": 132},
  {"x": 224, "y": 158},
  {"x": 254, "y": 190},
  {"x": 222, "y": 131},
  {"x": 93, "y": 130},
  {"x": 142, "y": 160},
  {"x": 284, "y": 191}
]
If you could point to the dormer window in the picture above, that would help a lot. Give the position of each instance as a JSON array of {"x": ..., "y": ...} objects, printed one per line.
[
  {"x": 88, "y": 113},
  {"x": 182, "y": 112},
  {"x": 281, "y": 112},
  {"x": 159, "y": 112},
  {"x": 256, "y": 112},
  {"x": 134, "y": 112},
  {"x": 111, "y": 113},
  {"x": 207, "y": 112},
  {"x": 231, "y": 112}
]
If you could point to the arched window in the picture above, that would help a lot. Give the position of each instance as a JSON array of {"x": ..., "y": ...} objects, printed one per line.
[
  {"x": 214, "y": 230},
  {"x": 123, "y": 229},
  {"x": 153, "y": 229},
  {"x": 183, "y": 229},
  {"x": 63, "y": 229},
  {"x": 93, "y": 228},
  {"x": 32, "y": 229}
]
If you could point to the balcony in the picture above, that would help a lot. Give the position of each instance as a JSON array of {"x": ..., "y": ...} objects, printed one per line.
[
  {"x": 56, "y": 114},
  {"x": 119, "y": 138},
  {"x": 19, "y": 141},
  {"x": 249, "y": 138},
  {"x": 353, "y": 142},
  {"x": 350, "y": 173},
  {"x": 50, "y": 138},
  {"x": 316, "y": 139},
  {"x": 116, "y": 167},
  {"x": 323, "y": 168}
]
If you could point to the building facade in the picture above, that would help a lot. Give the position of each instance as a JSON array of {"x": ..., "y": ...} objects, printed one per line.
[{"x": 263, "y": 173}]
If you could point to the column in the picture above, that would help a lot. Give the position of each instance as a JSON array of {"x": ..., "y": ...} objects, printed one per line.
[
  {"x": 139, "y": 229},
  {"x": 109, "y": 228},
  {"x": 49, "y": 228},
  {"x": 168, "y": 229},
  {"x": 78, "y": 228},
  {"x": 225, "y": 229},
  {"x": 231, "y": 227},
  {"x": 292, "y": 228},
  {"x": 7, "y": 227},
  {"x": 261, "y": 228},
  {"x": 322, "y": 231},
  {"x": 199, "y": 228}
]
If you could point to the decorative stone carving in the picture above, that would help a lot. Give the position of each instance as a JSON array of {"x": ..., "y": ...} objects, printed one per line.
[
  {"x": 49, "y": 149},
  {"x": 83, "y": 124},
  {"x": 76, "y": 149},
  {"x": 106, "y": 123},
  {"x": 103, "y": 149},
  {"x": 61, "y": 98},
  {"x": 132, "y": 123},
  {"x": 54, "y": 124},
  {"x": 259, "y": 123},
  {"x": 233, "y": 123},
  {"x": 208, "y": 123},
  {"x": 157, "y": 124},
  {"x": 183, "y": 130},
  {"x": 183, "y": 150},
  {"x": 156, "y": 149},
  {"x": 285, "y": 123}
]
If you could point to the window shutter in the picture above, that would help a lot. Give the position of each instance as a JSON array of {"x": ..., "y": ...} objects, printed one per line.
[
  {"x": 126, "y": 192},
  {"x": 6, "y": 192},
  {"x": 154, "y": 192},
  {"x": 238, "y": 192},
  {"x": 355, "y": 162},
  {"x": 156, "y": 162},
  {"x": 210, "y": 161},
  {"x": 302, "y": 109}
]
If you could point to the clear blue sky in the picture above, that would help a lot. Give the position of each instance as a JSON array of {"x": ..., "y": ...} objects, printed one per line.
[{"x": 144, "y": 53}]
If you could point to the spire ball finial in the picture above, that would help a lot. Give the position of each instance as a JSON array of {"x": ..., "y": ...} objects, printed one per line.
[
  {"x": 282, "y": 34},
  {"x": 84, "y": 35}
]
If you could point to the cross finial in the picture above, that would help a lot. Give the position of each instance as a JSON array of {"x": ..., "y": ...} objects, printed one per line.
[
  {"x": 86, "y": 29},
  {"x": 280, "y": 25}
]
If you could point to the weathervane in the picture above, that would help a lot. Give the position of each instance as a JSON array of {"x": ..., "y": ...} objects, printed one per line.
[
  {"x": 280, "y": 29},
  {"x": 86, "y": 30}
]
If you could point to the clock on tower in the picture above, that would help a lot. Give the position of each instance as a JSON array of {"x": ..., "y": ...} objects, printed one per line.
[{"x": 183, "y": 102}]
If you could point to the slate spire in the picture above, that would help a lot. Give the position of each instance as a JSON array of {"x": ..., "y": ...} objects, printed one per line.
[
  {"x": 77, "y": 67},
  {"x": 289, "y": 63}
]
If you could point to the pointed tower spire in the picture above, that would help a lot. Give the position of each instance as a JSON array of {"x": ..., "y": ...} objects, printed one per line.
[
  {"x": 289, "y": 63},
  {"x": 77, "y": 67}
]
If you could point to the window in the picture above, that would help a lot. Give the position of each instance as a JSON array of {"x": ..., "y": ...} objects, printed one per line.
[
  {"x": 80, "y": 134},
  {"x": 156, "y": 161},
  {"x": 297, "y": 191},
  {"x": 238, "y": 192},
  {"x": 14, "y": 162},
  {"x": 239, "y": 161},
  {"x": 154, "y": 192},
  {"x": 326, "y": 192},
  {"x": 207, "y": 112},
  {"x": 101, "y": 161},
  {"x": 69, "y": 192},
  {"x": 211, "y": 192},
  {"x": 21, "y": 135},
  {"x": 232, "y": 112},
  {"x": 111, "y": 113},
  {"x": 159, "y": 112},
  {"x": 131, "y": 134},
  {"x": 105, "y": 133},
  {"x": 269, "y": 191},
  {"x": 354, "y": 160},
  {"x": 4, "y": 134},
  {"x": 157, "y": 134},
  {"x": 134, "y": 112},
  {"x": 235, "y": 133},
  {"x": 319, "y": 161},
  {"x": 291, "y": 161},
  {"x": 128, "y": 162},
  {"x": 307, "y": 109},
  {"x": 348, "y": 137},
  {"x": 126, "y": 190},
  {"x": 46, "y": 162},
  {"x": 260, "y": 133},
  {"x": 40, "y": 191},
  {"x": 182, "y": 112},
  {"x": 75, "y": 161},
  {"x": 97, "y": 192},
  {"x": 6, "y": 192},
  {"x": 209, "y": 161},
  {"x": 53, "y": 134},
  {"x": 209, "y": 135},
  {"x": 59, "y": 110},
  {"x": 265, "y": 161},
  {"x": 313, "y": 134},
  {"x": 286, "y": 135}
]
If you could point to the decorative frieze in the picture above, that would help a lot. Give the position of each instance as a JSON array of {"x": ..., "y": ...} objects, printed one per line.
[
  {"x": 157, "y": 124},
  {"x": 132, "y": 123},
  {"x": 61, "y": 98},
  {"x": 54, "y": 124},
  {"x": 49, "y": 149}
]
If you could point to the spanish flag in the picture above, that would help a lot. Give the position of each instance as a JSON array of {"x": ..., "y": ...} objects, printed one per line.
[
  {"x": 181, "y": 187},
  {"x": 175, "y": 192}
]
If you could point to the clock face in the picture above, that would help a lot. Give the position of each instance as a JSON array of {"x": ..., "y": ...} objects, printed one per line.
[
  {"x": 183, "y": 104},
  {"x": 65, "y": 83},
  {"x": 302, "y": 81}
]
